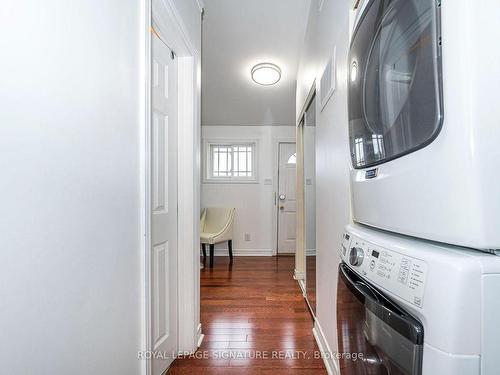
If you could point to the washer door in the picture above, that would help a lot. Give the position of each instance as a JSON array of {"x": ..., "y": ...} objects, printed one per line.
[
  {"x": 376, "y": 337},
  {"x": 395, "y": 100}
]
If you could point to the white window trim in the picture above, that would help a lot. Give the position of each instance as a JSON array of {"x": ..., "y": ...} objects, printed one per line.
[{"x": 207, "y": 164}]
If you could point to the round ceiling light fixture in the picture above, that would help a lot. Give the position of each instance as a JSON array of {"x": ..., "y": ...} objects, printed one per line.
[{"x": 266, "y": 74}]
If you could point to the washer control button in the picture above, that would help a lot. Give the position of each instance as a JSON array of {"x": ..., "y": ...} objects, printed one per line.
[{"x": 356, "y": 256}]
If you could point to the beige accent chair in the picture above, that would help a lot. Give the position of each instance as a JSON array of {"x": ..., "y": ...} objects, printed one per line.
[{"x": 216, "y": 226}]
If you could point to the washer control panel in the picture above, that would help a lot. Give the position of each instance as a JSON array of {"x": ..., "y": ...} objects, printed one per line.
[
  {"x": 356, "y": 256},
  {"x": 397, "y": 273}
]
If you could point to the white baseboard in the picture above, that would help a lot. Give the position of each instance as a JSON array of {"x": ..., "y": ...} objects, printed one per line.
[
  {"x": 299, "y": 275},
  {"x": 200, "y": 335},
  {"x": 242, "y": 252},
  {"x": 302, "y": 285},
  {"x": 310, "y": 252},
  {"x": 331, "y": 363}
]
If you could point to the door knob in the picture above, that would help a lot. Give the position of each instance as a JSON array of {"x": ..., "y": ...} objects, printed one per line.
[
  {"x": 282, "y": 208},
  {"x": 282, "y": 197}
]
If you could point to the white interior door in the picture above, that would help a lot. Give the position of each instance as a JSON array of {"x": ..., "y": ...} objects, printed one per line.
[
  {"x": 287, "y": 198},
  {"x": 164, "y": 206}
]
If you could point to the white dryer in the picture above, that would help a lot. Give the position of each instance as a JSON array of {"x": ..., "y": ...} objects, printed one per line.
[
  {"x": 411, "y": 307},
  {"x": 424, "y": 119}
]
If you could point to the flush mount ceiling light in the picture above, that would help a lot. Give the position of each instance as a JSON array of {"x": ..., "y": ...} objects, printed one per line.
[{"x": 266, "y": 74}]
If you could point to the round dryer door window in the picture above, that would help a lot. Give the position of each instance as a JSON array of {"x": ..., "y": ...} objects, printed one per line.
[{"x": 395, "y": 104}]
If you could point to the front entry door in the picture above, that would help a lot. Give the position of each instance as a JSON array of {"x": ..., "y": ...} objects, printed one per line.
[
  {"x": 163, "y": 256},
  {"x": 287, "y": 204}
]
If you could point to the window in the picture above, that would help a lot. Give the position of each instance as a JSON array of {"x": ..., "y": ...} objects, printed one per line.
[
  {"x": 231, "y": 162},
  {"x": 378, "y": 146},
  {"x": 292, "y": 159},
  {"x": 359, "y": 151}
]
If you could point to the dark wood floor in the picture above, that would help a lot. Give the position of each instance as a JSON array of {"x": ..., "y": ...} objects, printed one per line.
[{"x": 249, "y": 308}]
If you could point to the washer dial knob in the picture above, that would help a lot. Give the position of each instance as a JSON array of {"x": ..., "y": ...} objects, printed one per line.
[{"x": 356, "y": 256}]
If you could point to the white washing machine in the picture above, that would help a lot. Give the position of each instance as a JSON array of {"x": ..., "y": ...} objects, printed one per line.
[
  {"x": 424, "y": 119},
  {"x": 416, "y": 308}
]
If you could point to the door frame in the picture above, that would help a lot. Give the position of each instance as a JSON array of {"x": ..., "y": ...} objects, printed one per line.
[
  {"x": 300, "y": 253},
  {"x": 276, "y": 152},
  {"x": 171, "y": 27}
]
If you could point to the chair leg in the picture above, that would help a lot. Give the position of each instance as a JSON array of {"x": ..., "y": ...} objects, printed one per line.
[
  {"x": 204, "y": 249},
  {"x": 230, "y": 247},
  {"x": 212, "y": 250}
]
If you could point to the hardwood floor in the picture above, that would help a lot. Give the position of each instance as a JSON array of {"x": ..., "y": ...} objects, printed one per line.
[{"x": 255, "y": 321}]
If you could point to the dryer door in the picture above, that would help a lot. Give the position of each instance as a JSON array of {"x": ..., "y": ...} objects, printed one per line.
[
  {"x": 395, "y": 104},
  {"x": 375, "y": 336}
]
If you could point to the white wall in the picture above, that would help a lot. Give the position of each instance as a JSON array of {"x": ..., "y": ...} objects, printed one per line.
[
  {"x": 254, "y": 202},
  {"x": 190, "y": 12},
  {"x": 237, "y": 35},
  {"x": 325, "y": 30},
  {"x": 70, "y": 236}
]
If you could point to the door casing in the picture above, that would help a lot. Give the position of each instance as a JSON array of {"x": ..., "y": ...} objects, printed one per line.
[
  {"x": 278, "y": 214},
  {"x": 300, "y": 254},
  {"x": 171, "y": 27},
  {"x": 276, "y": 148}
]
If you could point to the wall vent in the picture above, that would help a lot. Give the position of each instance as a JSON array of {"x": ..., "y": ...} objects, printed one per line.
[{"x": 328, "y": 80}]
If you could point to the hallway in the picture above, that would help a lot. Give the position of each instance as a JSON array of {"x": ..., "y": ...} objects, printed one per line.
[{"x": 249, "y": 308}]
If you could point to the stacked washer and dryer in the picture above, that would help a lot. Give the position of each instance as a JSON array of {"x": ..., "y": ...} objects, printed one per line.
[{"x": 419, "y": 281}]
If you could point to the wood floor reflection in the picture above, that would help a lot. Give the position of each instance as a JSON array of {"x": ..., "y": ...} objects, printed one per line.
[{"x": 255, "y": 321}]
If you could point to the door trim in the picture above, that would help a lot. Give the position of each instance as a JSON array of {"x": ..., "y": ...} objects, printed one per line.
[
  {"x": 300, "y": 253},
  {"x": 171, "y": 27},
  {"x": 307, "y": 102},
  {"x": 276, "y": 152}
]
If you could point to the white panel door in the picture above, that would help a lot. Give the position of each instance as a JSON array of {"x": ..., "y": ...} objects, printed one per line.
[
  {"x": 164, "y": 207},
  {"x": 287, "y": 198}
]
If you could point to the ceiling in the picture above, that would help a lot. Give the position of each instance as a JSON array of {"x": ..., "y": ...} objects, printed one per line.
[{"x": 237, "y": 34}]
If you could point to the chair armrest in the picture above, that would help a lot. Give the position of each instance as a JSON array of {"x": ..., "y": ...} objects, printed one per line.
[
  {"x": 202, "y": 219},
  {"x": 226, "y": 233}
]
